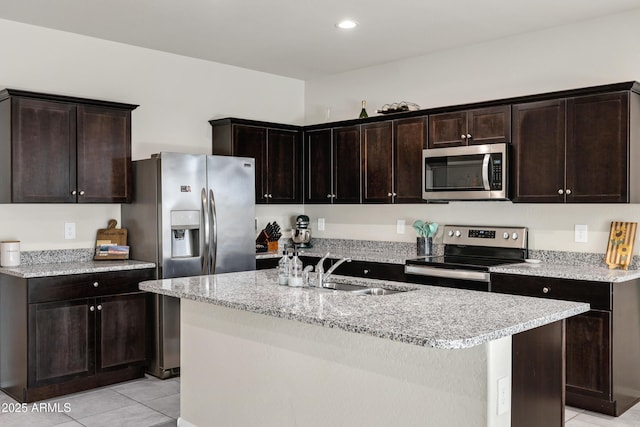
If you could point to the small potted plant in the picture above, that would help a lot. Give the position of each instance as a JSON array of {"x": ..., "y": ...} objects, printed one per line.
[{"x": 425, "y": 231}]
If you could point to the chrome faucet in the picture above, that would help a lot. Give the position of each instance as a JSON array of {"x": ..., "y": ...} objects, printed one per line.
[{"x": 321, "y": 275}]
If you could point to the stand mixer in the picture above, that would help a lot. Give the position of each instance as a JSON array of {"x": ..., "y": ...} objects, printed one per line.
[{"x": 302, "y": 234}]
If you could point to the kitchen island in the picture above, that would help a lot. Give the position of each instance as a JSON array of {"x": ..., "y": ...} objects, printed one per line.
[{"x": 255, "y": 353}]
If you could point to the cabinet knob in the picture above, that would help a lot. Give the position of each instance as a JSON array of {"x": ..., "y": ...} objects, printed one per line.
[
  {"x": 394, "y": 194},
  {"x": 333, "y": 196},
  {"x": 92, "y": 308},
  {"x": 561, "y": 191},
  {"x": 74, "y": 192},
  {"x": 568, "y": 191},
  {"x": 366, "y": 271},
  {"x": 468, "y": 136},
  {"x": 329, "y": 196},
  {"x": 389, "y": 194},
  {"x": 99, "y": 307},
  {"x": 546, "y": 290},
  {"x": 95, "y": 284},
  {"x": 81, "y": 192},
  {"x": 271, "y": 196},
  {"x": 463, "y": 136},
  {"x": 266, "y": 196}
]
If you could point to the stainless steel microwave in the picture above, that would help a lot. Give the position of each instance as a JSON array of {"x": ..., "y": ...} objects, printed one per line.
[{"x": 472, "y": 172}]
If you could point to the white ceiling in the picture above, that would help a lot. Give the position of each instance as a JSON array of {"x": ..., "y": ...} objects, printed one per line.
[{"x": 297, "y": 38}]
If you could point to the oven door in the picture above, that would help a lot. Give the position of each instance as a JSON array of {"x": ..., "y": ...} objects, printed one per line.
[
  {"x": 474, "y": 172},
  {"x": 450, "y": 278}
]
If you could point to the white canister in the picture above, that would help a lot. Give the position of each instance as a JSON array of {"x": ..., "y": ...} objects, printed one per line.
[{"x": 10, "y": 253}]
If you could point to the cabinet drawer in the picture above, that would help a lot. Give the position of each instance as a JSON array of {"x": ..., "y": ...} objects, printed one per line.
[
  {"x": 56, "y": 288},
  {"x": 598, "y": 294},
  {"x": 372, "y": 270}
]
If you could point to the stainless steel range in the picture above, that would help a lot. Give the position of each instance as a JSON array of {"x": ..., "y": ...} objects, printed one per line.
[{"x": 469, "y": 252}]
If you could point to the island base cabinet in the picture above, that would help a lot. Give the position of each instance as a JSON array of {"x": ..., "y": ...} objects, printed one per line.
[{"x": 65, "y": 334}]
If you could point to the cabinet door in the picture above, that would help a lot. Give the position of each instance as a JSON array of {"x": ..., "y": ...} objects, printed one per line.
[
  {"x": 61, "y": 341},
  {"x": 104, "y": 155},
  {"x": 597, "y": 141},
  {"x": 489, "y": 125},
  {"x": 377, "y": 161},
  {"x": 346, "y": 165},
  {"x": 120, "y": 330},
  {"x": 589, "y": 354},
  {"x": 251, "y": 141},
  {"x": 318, "y": 170},
  {"x": 282, "y": 166},
  {"x": 43, "y": 151},
  {"x": 538, "y": 151},
  {"x": 448, "y": 129},
  {"x": 410, "y": 138}
]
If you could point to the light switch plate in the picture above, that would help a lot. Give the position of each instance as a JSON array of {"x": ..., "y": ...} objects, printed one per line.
[
  {"x": 400, "y": 226},
  {"x": 504, "y": 395},
  {"x": 581, "y": 233},
  {"x": 320, "y": 224}
]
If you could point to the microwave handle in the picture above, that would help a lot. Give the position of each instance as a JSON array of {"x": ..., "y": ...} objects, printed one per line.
[{"x": 486, "y": 162}]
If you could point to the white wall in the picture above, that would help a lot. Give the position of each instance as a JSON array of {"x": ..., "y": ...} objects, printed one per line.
[
  {"x": 177, "y": 97},
  {"x": 590, "y": 53}
]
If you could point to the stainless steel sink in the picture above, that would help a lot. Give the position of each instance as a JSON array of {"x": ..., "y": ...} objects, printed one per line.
[{"x": 359, "y": 289}]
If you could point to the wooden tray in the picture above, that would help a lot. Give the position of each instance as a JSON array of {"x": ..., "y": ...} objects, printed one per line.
[
  {"x": 621, "y": 241},
  {"x": 110, "y": 236}
]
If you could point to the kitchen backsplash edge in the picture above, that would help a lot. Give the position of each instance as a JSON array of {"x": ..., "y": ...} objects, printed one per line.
[{"x": 402, "y": 249}]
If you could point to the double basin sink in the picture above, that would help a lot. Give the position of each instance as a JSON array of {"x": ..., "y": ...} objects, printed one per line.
[{"x": 359, "y": 289}]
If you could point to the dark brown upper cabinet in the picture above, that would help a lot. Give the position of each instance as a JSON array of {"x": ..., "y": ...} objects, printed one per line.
[
  {"x": 57, "y": 149},
  {"x": 479, "y": 126},
  {"x": 276, "y": 150},
  {"x": 575, "y": 150},
  {"x": 332, "y": 165},
  {"x": 392, "y": 160}
]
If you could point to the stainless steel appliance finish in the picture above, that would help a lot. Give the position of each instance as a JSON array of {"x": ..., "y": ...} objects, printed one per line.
[
  {"x": 468, "y": 253},
  {"x": 302, "y": 233},
  {"x": 191, "y": 215},
  {"x": 473, "y": 172}
]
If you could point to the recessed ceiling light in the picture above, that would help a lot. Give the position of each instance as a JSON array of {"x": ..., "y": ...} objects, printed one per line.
[{"x": 347, "y": 24}]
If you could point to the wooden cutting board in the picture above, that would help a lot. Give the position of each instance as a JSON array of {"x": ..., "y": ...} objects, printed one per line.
[
  {"x": 622, "y": 237},
  {"x": 111, "y": 236}
]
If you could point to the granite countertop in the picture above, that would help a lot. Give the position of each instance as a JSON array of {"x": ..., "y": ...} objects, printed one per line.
[
  {"x": 354, "y": 254},
  {"x": 592, "y": 273},
  {"x": 75, "y": 267},
  {"x": 428, "y": 316}
]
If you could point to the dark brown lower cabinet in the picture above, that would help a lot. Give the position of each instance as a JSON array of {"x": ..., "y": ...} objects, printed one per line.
[
  {"x": 65, "y": 334},
  {"x": 602, "y": 345}
]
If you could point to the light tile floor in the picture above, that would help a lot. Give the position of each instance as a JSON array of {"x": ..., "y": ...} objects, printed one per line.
[
  {"x": 139, "y": 403},
  {"x": 150, "y": 402}
]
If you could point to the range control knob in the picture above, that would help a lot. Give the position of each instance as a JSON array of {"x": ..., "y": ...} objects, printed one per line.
[
  {"x": 514, "y": 236},
  {"x": 450, "y": 233},
  {"x": 505, "y": 235},
  {"x": 458, "y": 233}
]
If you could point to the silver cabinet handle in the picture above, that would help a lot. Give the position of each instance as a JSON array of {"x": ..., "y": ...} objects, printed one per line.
[
  {"x": 92, "y": 308},
  {"x": 99, "y": 307},
  {"x": 74, "y": 192},
  {"x": 82, "y": 192},
  {"x": 546, "y": 290},
  {"x": 568, "y": 191},
  {"x": 560, "y": 191},
  {"x": 96, "y": 284}
]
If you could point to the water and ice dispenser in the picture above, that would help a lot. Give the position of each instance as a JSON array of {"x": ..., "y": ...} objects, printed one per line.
[{"x": 185, "y": 234}]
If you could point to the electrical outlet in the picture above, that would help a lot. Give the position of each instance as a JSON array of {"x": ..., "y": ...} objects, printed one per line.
[
  {"x": 581, "y": 233},
  {"x": 320, "y": 224},
  {"x": 69, "y": 230},
  {"x": 400, "y": 226},
  {"x": 504, "y": 395}
]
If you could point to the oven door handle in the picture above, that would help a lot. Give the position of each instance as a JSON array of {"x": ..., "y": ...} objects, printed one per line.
[
  {"x": 485, "y": 171},
  {"x": 447, "y": 273}
]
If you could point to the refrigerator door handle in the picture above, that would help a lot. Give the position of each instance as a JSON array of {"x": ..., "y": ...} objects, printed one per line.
[
  {"x": 204, "y": 256},
  {"x": 213, "y": 227}
]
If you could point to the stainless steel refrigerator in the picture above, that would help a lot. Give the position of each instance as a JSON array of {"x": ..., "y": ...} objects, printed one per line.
[{"x": 191, "y": 214}]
